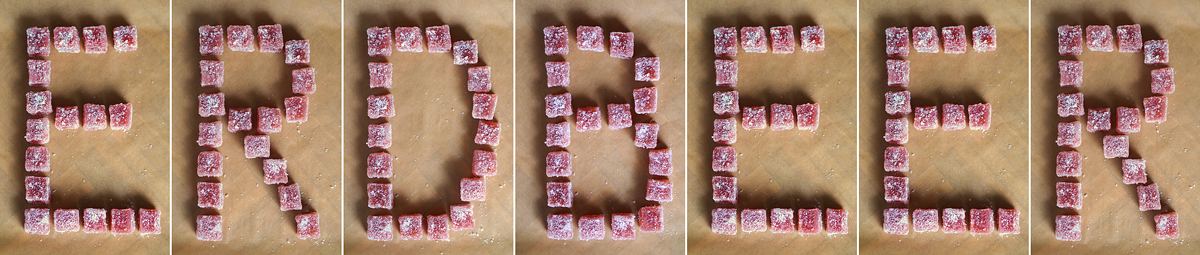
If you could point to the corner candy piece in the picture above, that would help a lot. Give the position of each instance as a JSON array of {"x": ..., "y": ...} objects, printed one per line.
[
  {"x": 558, "y": 134},
  {"x": 897, "y": 72},
  {"x": 895, "y": 159},
  {"x": 37, "y": 221},
  {"x": 955, "y": 39},
  {"x": 980, "y": 116},
  {"x": 411, "y": 226},
  {"x": 724, "y": 159},
  {"x": 1069, "y": 164},
  {"x": 37, "y": 41},
  {"x": 379, "y": 228},
  {"x": 724, "y": 221},
  {"x": 981, "y": 221},
  {"x": 651, "y": 219},
  {"x": 559, "y": 226},
  {"x": 984, "y": 38},
  {"x": 754, "y": 220},
  {"x": 1069, "y": 134},
  {"x": 67, "y": 220},
  {"x": 379, "y": 41},
  {"x": 1148, "y": 198},
  {"x": 555, "y": 40},
  {"x": 645, "y": 135},
  {"x": 488, "y": 133},
  {"x": 466, "y": 52},
  {"x": 66, "y": 39},
  {"x": 125, "y": 38},
  {"x": 120, "y": 116},
  {"x": 808, "y": 116},
  {"x": 1166, "y": 226},
  {"x": 724, "y": 190},
  {"x": 208, "y": 228},
  {"x": 1157, "y": 52},
  {"x": 925, "y": 40},
  {"x": 296, "y": 52},
  {"x": 1100, "y": 38},
  {"x": 241, "y": 38},
  {"x": 122, "y": 221},
  {"x": 1070, "y": 40},
  {"x": 1162, "y": 81},
  {"x": 895, "y": 221},
  {"x": 1067, "y": 228},
  {"x": 754, "y": 40},
  {"x": 462, "y": 217},
  {"x": 621, "y": 45},
  {"x": 409, "y": 39},
  {"x": 590, "y": 38},
  {"x": 212, "y": 40},
  {"x": 308, "y": 226},
  {"x": 1129, "y": 38},
  {"x": 1116, "y": 146},
  {"x": 895, "y": 189},
  {"x": 95, "y": 40},
  {"x": 438, "y": 38},
  {"x": 1070, "y": 73},
  {"x": 783, "y": 40},
  {"x": 896, "y": 41},
  {"x": 836, "y": 220},
  {"x": 1069, "y": 195},
  {"x": 472, "y": 189},
  {"x": 1099, "y": 119},
  {"x": 725, "y": 40},
  {"x": 812, "y": 38},
  {"x": 623, "y": 226},
  {"x": 1156, "y": 109},
  {"x": 1133, "y": 171},
  {"x": 646, "y": 69},
  {"x": 1009, "y": 221},
  {"x": 479, "y": 79},
  {"x": 270, "y": 38}
]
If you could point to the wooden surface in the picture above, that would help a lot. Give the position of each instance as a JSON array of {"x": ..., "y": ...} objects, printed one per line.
[
  {"x": 949, "y": 169},
  {"x": 433, "y": 132},
  {"x": 776, "y": 169},
  {"x": 252, "y": 221},
  {"x": 1111, "y": 220},
  {"x": 610, "y": 174}
]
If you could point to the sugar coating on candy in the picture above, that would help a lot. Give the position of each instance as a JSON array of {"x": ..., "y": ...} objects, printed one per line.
[
  {"x": 1070, "y": 73},
  {"x": 1068, "y": 227},
  {"x": 483, "y": 106},
  {"x": 587, "y": 119},
  {"x": 558, "y": 226},
  {"x": 209, "y": 105},
  {"x": 39, "y": 72},
  {"x": 1157, "y": 52},
  {"x": 241, "y": 38},
  {"x": 897, "y": 72},
  {"x": 304, "y": 80},
  {"x": 379, "y": 164},
  {"x": 289, "y": 197},
  {"x": 37, "y": 41},
  {"x": 438, "y": 38},
  {"x": 1099, "y": 119},
  {"x": 212, "y": 73},
  {"x": 1069, "y": 164},
  {"x": 724, "y": 189},
  {"x": 591, "y": 227},
  {"x": 240, "y": 119},
  {"x": 208, "y": 228},
  {"x": 487, "y": 133},
  {"x": 754, "y": 40},
  {"x": 270, "y": 38},
  {"x": 896, "y": 41},
  {"x": 296, "y": 109},
  {"x": 208, "y": 164},
  {"x": 808, "y": 116},
  {"x": 95, "y": 40},
  {"x": 67, "y": 220},
  {"x": 925, "y": 220},
  {"x": 275, "y": 171},
  {"x": 754, "y": 117},
  {"x": 555, "y": 39},
  {"x": 209, "y": 134},
  {"x": 954, "y": 39},
  {"x": 125, "y": 38},
  {"x": 257, "y": 146},
  {"x": 1133, "y": 171},
  {"x": 646, "y": 69},
  {"x": 725, "y": 102},
  {"x": 1129, "y": 38},
  {"x": 808, "y": 221},
  {"x": 925, "y": 40},
  {"x": 645, "y": 135},
  {"x": 380, "y": 74},
  {"x": 1008, "y": 221},
  {"x": 895, "y": 131},
  {"x": 308, "y": 226},
  {"x": 954, "y": 220},
  {"x": 37, "y": 159},
  {"x": 296, "y": 52},
  {"x": 38, "y": 102},
  {"x": 37, "y": 131},
  {"x": 466, "y": 52},
  {"x": 483, "y": 163},
  {"x": 122, "y": 221},
  {"x": 1166, "y": 226},
  {"x": 472, "y": 189},
  {"x": 754, "y": 220},
  {"x": 727, "y": 72},
  {"x": 462, "y": 217},
  {"x": 37, "y": 221},
  {"x": 558, "y": 74},
  {"x": 558, "y": 105},
  {"x": 212, "y": 40},
  {"x": 1116, "y": 146},
  {"x": 1070, "y": 104},
  {"x": 925, "y": 117},
  {"x": 95, "y": 220},
  {"x": 479, "y": 78},
  {"x": 897, "y": 102},
  {"x": 439, "y": 227},
  {"x": 645, "y": 100},
  {"x": 783, "y": 40},
  {"x": 379, "y": 41},
  {"x": 66, "y": 117},
  {"x": 270, "y": 120},
  {"x": 409, "y": 39},
  {"x": 836, "y": 221},
  {"x": 559, "y": 194},
  {"x": 589, "y": 38},
  {"x": 782, "y": 220},
  {"x": 1129, "y": 120},
  {"x": 782, "y": 117},
  {"x": 984, "y": 38},
  {"x": 895, "y": 189},
  {"x": 812, "y": 38},
  {"x": 724, "y": 221},
  {"x": 725, "y": 41},
  {"x": 558, "y": 134},
  {"x": 380, "y": 106},
  {"x": 725, "y": 131},
  {"x": 651, "y": 218},
  {"x": 379, "y": 195},
  {"x": 619, "y": 116},
  {"x": 1162, "y": 80},
  {"x": 1156, "y": 109},
  {"x": 209, "y": 195},
  {"x": 120, "y": 116},
  {"x": 981, "y": 221},
  {"x": 724, "y": 159},
  {"x": 379, "y": 227},
  {"x": 980, "y": 116},
  {"x": 621, "y": 45},
  {"x": 623, "y": 226},
  {"x": 1148, "y": 197},
  {"x": 66, "y": 39},
  {"x": 1099, "y": 38},
  {"x": 1070, "y": 40},
  {"x": 558, "y": 164},
  {"x": 660, "y": 162},
  {"x": 411, "y": 226},
  {"x": 1069, "y": 134},
  {"x": 895, "y": 221},
  {"x": 895, "y": 159},
  {"x": 37, "y": 189},
  {"x": 1069, "y": 195}
]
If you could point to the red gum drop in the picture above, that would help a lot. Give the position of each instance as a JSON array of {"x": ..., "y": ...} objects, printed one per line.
[
  {"x": 37, "y": 159},
  {"x": 488, "y": 133},
  {"x": 558, "y": 134},
  {"x": 925, "y": 118},
  {"x": 724, "y": 189},
  {"x": 379, "y": 196},
  {"x": 120, "y": 116},
  {"x": 1070, "y": 104},
  {"x": 270, "y": 38},
  {"x": 269, "y": 120},
  {"x": 466, "y": 52},
  {"x": 980, "y": 116},
  {"x": 296, "y": 109},
  {"x": 240, "y": 119},
  {"x": 981, "y": 221},
  {"x": 808, "y": 116},
  {"x": 1070, "y": 40},
  {"x": 809, "y": 221},
  {"x": 1116, "y": 146},
  {"x": 212, "y": 73},
  {"x": 1157, "y": 52},
  {"x": 558, "y": 226},
  {"x": 895, "y": 159},
  {"x": 95, "y": 220},
  {"x": 727, "y": 72},
  {"x": 925, "y": 40},
  {"x": 725, "y": 41},
  {"x": 651, "y": 219},
  {"x": 591, "y": 227},
  {"x": 296, "y": 52},
  {"x": 37, "y": 189},
  {"x": 39, "y": 72},
  {"x": 590, "y": 38},
  {"x": 208, "y": 228},
  {"x": 381, "y": 106},
  {"x": 1067, "y": 228},
  {"x": 558, "y": 74},
  {"x": 380, "y": 74},
  {"x": 619, "y": 116},
  {"x": 782, "y": 220},
  {"x": 209, "y": 134},
  {"x": 122, "y": 221},
  {"x": 66, "y": 39},
  {"x": 95, "y": 40},
  {"x": 1099, "y": 119},
  {"x": 409, "y": 39},
  {"x": 623, "y": 226},
  {"x": 38, "y": 103},
  {"x": 660, "y": 162},
  {"x": 289, "y": 197},
  {"x": 1069, "y": 134},
  {"x": 836, "y": 221},
  {"x": 724, "y": 221},
  {"x": 954, "y": 220},
  {"x": 754, "y": 40},
  {"x": 558, "y": 105},
  {"x": 621, "y": 45},
  {"x": 479, "y": 79},
  {"x": 483, "y": 163},
  {"x": 812, "y": 38},
  {"x": 67, "y": 220},
  {"x": 587, "y": 119},
  {"x": 925, "y": 220},
  {"x": 555, "y": 40},
  {"x": 308, "y": 226},
  {"x": 438, "y": 38},
  {"x": 37, "y": 41},
  {"x": 1166, "y": 226},
  {"x": 379, "y": 41},
  {"x": 896, "y": 131},
  {"x": 559, "y": 194},
  {"x": 209, "y": 195},
  {"x": 645, "y": 100},
  {"x": 66, "y": 117},
  {"x": 472, "y": 189},
  {"x": 379, "y": 164},
  {"x": 379, "y": 228},
  {"x": 896, "y": 41},
  {"x": 646, "y": 69},
  {"x": 783, "y": 40},
  {"x": 897, "y": 72},
  {"x": 1162, "y": 81},
  {"x": 211, "y": 105},
  {"x": 984, "y": 38},
  {"x": 410, "y": 227},
  {"x": 1069, "y": 164},
  {"x": 1129, "y": 38},
  {"x": 1148, "y": 198},
  {"x": 725, "y": 131},
  {"x": 37, "y": 131},
  {"x": 212, "y": 40},
  {"x": 304, "y": 80},
  {"x": 897, "y": 102},
  {"x": 754, "y": 220},
  {"x": 37, "y": 221},
  {"x": 725, "y": 102},
  {"x": 645, "y": 135},
  {"x": 257, "y": 146},
  {"x": 782, "y": 117},
  {"x": 954, "y": 39},
  {"x": 1008, "y": 221},
  {"x": 1156, "y": 109},
  {"x": 1133, "y": 171},
  {"x": 724, "y": 159},
  {"x": 208, "y": 164},
  {"x": 754, "y": 117},
  {"x": 241, "y": 38},
  {"x": 1070, "y": 73},
  {"x": 895, "y": 189},
  {"x": 1100, "y": 38},
  {"x": 125, "y": 38},
  {"x": 658, "y": 190},
  {"x": 1069, "y": 195},
  {"x": 558, "y": 164},
  {"x": 462, "y": 217},
  {"x": 895, "y": 221},
  {"x": 275, "y": 171}
]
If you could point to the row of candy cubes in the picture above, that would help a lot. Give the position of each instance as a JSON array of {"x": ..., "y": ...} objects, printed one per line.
[
  {"x": 925, "y": 40},
  {"x": 38, "y": 221},
  {"x": 66, "y": 40},
  {"x": 754, "y": 40}
]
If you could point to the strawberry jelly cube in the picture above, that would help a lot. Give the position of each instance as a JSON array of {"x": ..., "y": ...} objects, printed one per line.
[
  {"x": 1070, "y": 104},
  {"x": 383, "y": 106},
  {"x": 782, "y": 117},
  {"x": 210, "y": 105},
  {"x": 558, "y": 105},
  {"x": 980, "y": 116},
  {"x": 212, "y": 40},
  {"x": 954, "y": 39},
  {"x": 381, "y": 74},
  {"x": 586, "y": 118},
  {"x": 897, "y": 102},
  {"x": 275, "y": 171},
  {"x": 981, "y": 221},
  {"x": 1067, "y": 227},
  {"x": 1099, "y": 119},
  {"x": 724, "y": 221},
  {"x": 462, "y": 217},
  {"x": 479, "y": 78},
  {"x": 379, "y": 41},
  {"x": 125, "y": 38},
  {"x": 37, "y": 40},
  {"x": 379, "y": 196},
  {"x": 646, "y": 69},
  {"x": 658, "y": 190},
  {"x": 466, "y": 52},
  {"x": 558, "y": 134},
  {"x": 925, "y": 220},
  {"x": 782, "y": 220},
  {"x": 439, "y": 38},
  {"x": 209, "y": 134},
  {"x": 925, "y": 40},
  {"x": 37, "y": 221},
  {"x": 812, "y": 38},
  {"x": 725, "y": 189},
  {"x": 835, "y": 221},
  {"x": 241, "y": 38},
  {"x": 409, "y": 39},
  {"x": 623, "y": 226},
  {"x": 379, "y": 227},
  {"x": 925, "y": 117},
  {"x": 1100, "y": 38},
  {"x": 559, "y": 194},
  {"x": 725, "y": 131},
  {"x": 754, "y": 220},
  {"x": 725, "y": 41},
  {"x": 379, "y": 164},
  {"x": 1116, "y": 146},
  {"x": 558, "y": 164},
  {"x": 558, "y": 74},
  {"x": 269, "y": 120},
  {"x": 660, "y": 162},
  {"x": 724, "y": 102},
  {"x": 1070, "y": 40},
  {"x": 895, "y": 159},
  {"x": 724, "y": 159},
  {"x": 208, "y": 195},
  {"x": 621, "y": 45},
  {"x": 1129, "y": 38},
  {"x": 289, "y": 197},
  {"x": 37, "y": 189},
  {"x": 651, "y": 218},
  {"x": 591, "y": 227},
  {"x": 895, "y": 221},
  {"x": 122, "y": 221},
  {"x": 619, "y": 116},
  {"x": 1069, "y": 195},
  {"x": 66, "y": 220},
  {"x": 212, "y": 73},
  {"x": 296, "y": 52},
  {"x": 558, "y": 226},
  {"x": 208, "y": 164},
  {"x": 472, "y": 189},
  {"x": 270, "y": 38},
  {"x": 1008, "y": 221},
  {"x": 645, "y": 100},
  {"x": 895, "y": 189},
  {"x": 645, "y": 135},
  {"x": 66, "y": 117},
  {"x": 897, "y": 72},
  {"x": 754, "y": 40},
  {"x": 1156, "y": 109},
  {"x": 120, "y": 116},
  {"x": 38, "y": 102},
  {"x": 380, "y": 135},
  {"x": 66, "y": 39},
  {"x": 1069, "y": 134},
  {"x": 1133, "y": 171},
  {"x": 1166, "y": 226},
  {"x": 1162, "y": 81},
  {"x": 483, "y": 107},
  {"x": 308, "y": 226},
  {"x": 410, "y": 226},
  {"x": 488, "y": 132},
  {"x": 727, "y": 71},
  {"x": 39, "y": 72},
  {"x": 590, "y": 38},
  {"x": 555, "y": 40},
  {"x": 984, "y": 38},
  {"x": 954, "y": 220},
  {"x": 37, "y": 131},
  {"x": 809, "y": 221},
  {"x": 240, "y": 119},
  {"x": 783, "y": 41},
  {"x": 897, "y": 41},
  {"x": 1148, "y": 199},
  {"x": 95, "y": 40},
  {"x": 296, "y": 108},
  {"x": 304, "y": 81},
  {"x": 483, "y": 163},
  {"x": 754, "y": 117},
  {"x": 148, "y": 221},
  {"x": 1070, "y": 73},
  {"x": 37, "y": 159},
  {"x": 208, "y": 228},
  {"x": 1157, "y": 52},
  {"x": 257, "y": 146},
  {"x": 895, "y": 131},
  {"x": 95, "y": 220},
  {"x": 1069, "y": 164}
]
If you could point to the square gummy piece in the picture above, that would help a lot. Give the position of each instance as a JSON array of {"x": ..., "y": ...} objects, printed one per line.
[
  {"x": 555, "y": 40},
  {"x": 645, "y": 135},
  {"x": 558, "y": 164},
  {"x": 1069, "y": 195},
  {"x": 619, "y": 116},
  {"x": 241, "y": 38},
  {"x": 1157, "y": 52},
  {"x": 727, "y": 72},
  {"x": 783, "y": 40},
  {"x": 37, "y": 159},
  {"x": 308, "y": 226},
  {"x": 466, "y": 52},
  {"x": 37, "y": 41},
  {"x": 754, "y": 220},
  {"x": 275, "y": 171},
  {"x": 66, "y": 117},
  {"x": 208, "y": 228},
  {"x": 925, "y": 117},
  {"x": 95, "y": 40},
  {"x": 1068, "y": 227},
  {"x": 897, "y": 102},
  {"x": 66, "y": 39},
  {"x": 66, "y": 220},
  {"x": 209, "y": 195},
  {"x": 212, "y": 40},
  {"x": 381, "y": 74},
  {"x": 1099, "y": 119},
  {"x": 896, "y": 40},
  {"x": 651, "y": 219},
  {"x": 895, "y": 131},
  {"x": 1070, "y": 104},
  {"x": 725, "y": 131},
  {"x": 379, "y": 228},
  {"x": 125, "y": 38},
  {"x": 1070, "y": 73},
  {"x": 1166, "y": 226},
  {"x": 379, "y": 41},
  {"x": 724, "y": 189},
  {"x": 954, "y": 39},
  {"x": 754, "y": 40},
  {"x": 895, "y": 221},
  {"x": 984, "y": 38},
  {"x": 587, "y": 118},
  {"x": 380, "y": 106},
  {"x": 269, "y": 120},
  {"x": 37, "y": 189},
  {"x": 488, "y": 132},
  {"x": 724, "y": 159},
  {"x": 409, "y": 39},
  {"x": 558, "y": 105},
  {"x": 981, "y": 221},
  {"x": 37, "y": 131},
  {"x": 623, "y": 226},
  {"x": 122, "y": 221},
  {"x": 1069, "y": 134},
  {"x": 1162, "y": 81},
  {"x": 559, "y": 194},
  {"x": 925, "y": 220},
  {"x": 411, "y": 226},
  {"x": 558, "y": 74},
  {"x": 462, "y": 217},
  {"x": 660, "y": 162},
  {"x": 895, "y": 189},
  {"x": 37, "y": 221},
  {"x": 479, "y": 79},
  {"x": 725, "y": 41},
  {"x": 210, "y": 105},
  {"x": 835, "y": 221},
  {"x": 808, "y": 221},
  {"x": 95, "y": 220},
  {"x": 1116, "y": 146},
  {"x": 558, "y": 226},
  {"x": 1148, "y": 197},
  {"x": 1008, "y": 221},
  {"x": 270, "y": 38},
  {"x": 645, "y": 100},
  {"x": 895, "y": 159},
  {"x": 212, "y": 73},
  {"x": 782, "y": 220},
  {"x": 925, "y": 40},
  {"x": 483, "y": 107},
  {"x": 1133, "y": 171},
  {"x": 591, "y": 227},
  {"x": 980, "y": 116},
  {"x": 590, "y": 38},
  {"x": 379, "y": 136},
  {"x": 812, "y": 38},
  {"x": 39, "y": 72},
  {"x": 120, "y": 116},
  {"x": 379, "y": 164},
  {"x": 240, "y": 119},
  {"x": 483, "y": 163},
  {"x": 1156, "y": 109},
  {"x": 808, "y": 116},
  {"x": 289, "y": 197},
  {"x": 782, "y": 117},
  {"x": 754, "y": 117},
  {"x": 209, "y": 134},
  {"x": 257, "y": 146},
  {"x": 1129, "y": 120},
  {"x": 304, "y": 80},
  {"x": 1069, "y": 164},
  {"x": 621, "y": 45},
  {"x": 954, "y": 220},
  {"x": 724, "y": 221},
  {"x": 296, "y": 108},
  {"x": 208, "y": 164},
  {"x": 1129, "y": 38},
  {"x": 1070, "y": 40},
  {"x": 379, "y": 196},
  {"x": 296, "y": 52},
  {"x": 1099, "y": 38},
  {"x": 472, "y": 189},
  {"x": 438, "y": 38},
  {"x": 558, "y": 134},
  {"x": 725, "y": 102},
  {"x": 646, "y": 69},
  {"x": 897, "y": 72},
  {"x": 38, "y": 103}
]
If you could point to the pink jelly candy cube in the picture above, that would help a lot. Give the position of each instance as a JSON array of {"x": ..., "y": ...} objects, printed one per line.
[
  {"x": 212, "y": 40},
  {"x": 382, "y": 106},
  {"x": 1070, "y": 73},
  {"x": 925, "y": 220},
  {"x": 125, "y": 38},
  {"x": 257, "y": 146},
  {"x": 379, "y": 164},
  {"x": 895, "y": 221},
  {"x": 379, "y": 195},
  {"x": 1008, "y": 221},
  {"x": 1133, "y": 171},
  {"x": 439, "y": 38},
  {"x": 304, "y": 80},
  {"x": 659, "y": 190},
  {"x": 954, "y": 39},
  {"x": 380, "y": 136},
  {"x": 558, "y": 105},
  {"x": 980, "y": 116},
  {"x": 1156, "y": 109},
  {"x": 479, "y": 79},
  {"x": 37, "y": 131},
  {"x": 208, "y": 228},
  {"x": 897, "y": 102},
  {"x": 984, "y": 38},
  {"x": 483, "y": 107},
  {"x": 37, "y": 189},
  {"x": 725, "y": 102},
  {"x": 725, "y": 40},
  {"x": 209, "y": 195},
  {"x": 122, "y": 221},
  {"x": 559, "y": 194},
  {"x": 925, "y": 40},
  {"x": 558, "y": 134},
  {"x": 1148, "y": 197},
  {"x": 1070, "y": 40},
  {"x": 296, "y": 108},
  {"x": 1099, "y": 119},
  {"x": 646, "y": 69},
  {"x": 619, "y": 116},
  {"x": 66, "y": 40},
  {"x": 37, "y": 159},
  {"x": 483, "y": 163},
  {"x": 623, "y": 226},
  {"x": 209, "y": 134},
  {"x": 411, "y": 226},
  {"x": 724, "y": 159},
  {"x": 660, "y": 162},
  {"x": 275, "y": 171},
  {"x": 783, "y": 41},
  {"x": 208, "y": 164},
  {"x": 381, "y": 74},
  {"x": 241, "y": 38},
  {"x": 835, "y": 221},
  {"x": 1069, "y": 195},
  {"x": 645, "y": 100},
  {"x": 95, "y": 220},
  {"x": 1099, "y": 38},
  {"x": 120, "y": 116},
  {"x": 289, "y": 197},
  {"x": 895, "y": 189},
  {"x": 727, "y": 71},
  {"x": 925, "y": 117},
  {"x": 1162, "y": 80},
  {"x": 1116, "y": 146},
  {"x": 590, "y": 38},
  {"x": 724, "y": 221},
  {"x": 39, "y": 72},
  {"x": 462, "y": 217},
  {"x": 587, "y": 118},
  {"x": 645, "y": 135},
  {"x": 1166, "y": 226},
  {"x": 37, "y": 40},
  {"x": 782, "y": 220},
  {"x": 954, "y": 220},
  {"x": 66, "y": 117},
  {"x": 148, "y": 221},
  {"x": 782, "y": 117},
  {"x": 558, "y": 226},
  {"x": 1070, "y": 104},
  {"x": 754, "y": 40},
  {"x": 38, "y": 103},
  {"x": 808, "y": 221},
  {"x": 725, "y": 131},
  {"x": 379, "y": 227},
  {"x": 896, "y": 39},
  {"x": 269, "y": 120},
  {"x": 1157, "y": 52},
  {"x": 812, "y": 38},
  {"x": 558, "y": 74},
  {"x": 1129, "y": 38},
  {"x": 1068, "y": 227},
  {"x": 895, "y": 159},
  {"x": 897, "y": 72},
  {"x": 754, "y": 220},
  {"x": 558, "y": 164},
  {"x": 439, "y": 227},
  {"x": 270, "y": 38},
  {"x": 379, "y": 41},
  {"x": 555, "y": 40},
  {"x": 95, "y": 40},
  {"x": 981, "y": 221},
  {"x": 895, "y": 131},
  {"x": 466, "y": 52},
  {"x": 621, "y": 45},
  {"x": 1069, "y": 134},
  {"x": 210, "y": 105},
  {"x": 37, "y": 221},
  {"x": 651, "y": 218},
  {"x": 212, "y": 73},
  {"x": 409, "y": 39},
  {"x": 808, "y": 116},
  {"x": 1069, "y": 164},
  {"x": 487, "y": 133},
  {"x": 472, "y": 189},
  {"x": 754, "y": 117},
  {"x": 296, "y": 52},
  {"x": 240, "y": 119},
  {"x": 725, "y": 189},
  {"x": 66, "y": 220}
]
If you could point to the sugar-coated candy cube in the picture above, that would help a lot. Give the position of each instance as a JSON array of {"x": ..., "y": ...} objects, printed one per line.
[
  {"x": 984, "y": 38},
  {"x": 66, "y": 117},
  {"x": 208, "y": 228},
  {"x": 379, "y": 227},
  {"x": 724, "y": 159},
  {"x": 1116, "y": 146},
  {"x": 559, "y": 194},
  {"x": 895, "y": 221},
  {"x": 659, "y": 190},
  {"x": 619, "y": 116},
  {"x": 483, "y": 107},
  {"x": 727, "y": 72},
  {"x": 1008, "y": 221},
  {"x": 724, "y": 221},
  {"x": 212, "y": 73},
  {"x": 1157, "y": 52},
  {"x": 555, "y": 39},
  {"x": 895, "y": 189},
  {"x": 645, "y": 135},
  {"x": 120, "y": 116},
  {"x": 37, "y": 189},
  {"x": 558, "y": 105},
  {"x": 122, "y": 221},
  {"x": 754, "y": 220},
  {"x": 754, "y": 117},
  {"x": 660, "y": 162},
  {"x": 411, "y": 226},
  {"x": 896, "y": 40},
  {"x": 895, "y": 159},
  {"x": 379, "y": 164},
  {"x": 275, "y": 171},
  {"x": 897, "y": 102},
  {"x": 37, "y": 131},
  {"x": 646, "y": 69},
  {"x": 782, "y": 220},
  {"x": 754, "y": 40},
  {"x": 725, "y": 130},
  {"x": 1162, "y": 80},
  {"x": 1070, "y": 104},
  {"x": 645, "y": 100},
  {"x": 1099, "y": 119},
  {"x": 1069, "y": 195},
  {"x": 125, "y": 38},
  {"x": 210, "y": 105},
  {"x": 954, "y": 117},
  {"x": 37, "y": 221},
  {"x": 836, "y": 221},
  {"x": 587, "y": 118},
  {"x": 1069, "y": 164},
  {"x": 208, "y": 164},
  {"x": 483, "y": 163},
  {"x": 725, "y": 41},
  {"x": 39, "y": 72},
  {"x": 466, "y": 52},
  {"x": 209, "y": 195},
  {"x": 782, "y": 117},
  {"x": 650, "y": 218},
  {"x": 895, "y": 131},
  {"x": 558, "y": 134},
  {"x": 591, "y": 227},
  {"x": 925, "y": 40},
  {"x": 479, "y": 79},
  {"x": 289, "y": 197},
  {"x": 37, "y": 159},
  {"x": 67, "y": 220},
  {"x": 438, "y": 38},
  {"x": 1070, "y": 73},
  {"x": 558, "y": 74},
  {"x": 621, "y": 45},
  {"x": 308, "y": 226},
  {"x": 725, "y": 102},
  {"x": 409, "y": 39},
  {"x": 296, "y": 52},
  {"x": 66, "y": 39},
  {"x": 812, "y": 38},
  {"x": 37, "y": 41},
  {"x": 1069, "y": 134},
  {"x": 724, "y": 189},
  {"x": 808, "y": 116},
  {"x": 240, "y": 119},
  {"x": 379, "y": 195},
  {"x": 590, "y": 38},
  {"x": 980, "y": 116},
  {"x": 380, "y": 106},
  {"x": 269, "y": 120},
  {"x": 1148, "y": 197},
  {"x": 257, "y": 146},
  {"x": 488, "y": 132},
  {"x": 954, "y": 220},
  {"x": 897, "y": 72},
  {"x": 270, "y": 38},
  {"x": 380, "y": 74},
  {"x": 209, "y": 134},
  {"x": 1133, "y": 171},
  {"x": 808, "y": 221},
  {"x": 241, "y": 38},
  {"x": 304, "y": 79},
  {"x": 954, "y": 39},
  {"x": 1156, "y": 109},
  {"x": 379, "y": 41},
  {"x": 1099, "y": 38},
  {"x": 212, "y": 40},
  {"x": 783, "y": 40},
  {"x": 95, "y": 220},
  {"x": 981, "y": 221},
  {"x": 1070, "y": 40},
  {"x": 38, "y": 103},
  {"x": 1129, "y": 38},
  {"x": 1166, "y": 226},
  {"x": 296, "y": 108},
  {"x": 462, "y": 217},
  {"x": 623, "y": 226},
  {"x": 472, "y": 189},
  {"x": 925, "y": 220},
  {"x": 558, "y": 226},
  {"x": 95, "y": 40},
  {"x": 925, "y": 117},
  {"x": 1068, "y": 227},
  {"x": 558, "y": 164}
]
